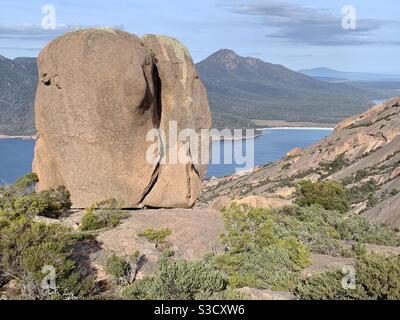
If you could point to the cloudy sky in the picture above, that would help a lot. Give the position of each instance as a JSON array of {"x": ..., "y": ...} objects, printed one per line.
[{"x": 296, "y": 33}]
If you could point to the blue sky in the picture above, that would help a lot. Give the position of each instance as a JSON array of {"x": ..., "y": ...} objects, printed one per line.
[{"x": 297, "y": 34}]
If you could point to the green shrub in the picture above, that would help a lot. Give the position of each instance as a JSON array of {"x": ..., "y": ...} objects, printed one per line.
[
  {"x": 30, "y": 205},
  {"x": 259, "y": 254},
  {"x": 178, "y": 280},
  {"x": 27, "y": 183},
  {"x": 330, "y": 167},
  {"x": 26, "y": 247},
  {"x": 322, "y": 286},
  {"x": 331, "y": 195},
  {"x": 24, "y": 186},
  {"x": 323, "y": 230},
  {"x": 376, "y": 277},
  {"x": 118, "y": 267},
  {"x": 50, "y": 203},
  {"x": 21, "y": 199},
  {"x": 267, "y": 248},
  {"x": 60, "y": 200},
  {"x": 313, "y": 226},
  {"x": 362, "y": 192},
  {"x": 356, "y": 228},
  {"x": 155, "y": 236},
  {"x": 123, "y": 270},
  {"x": 104, "y": 214}
]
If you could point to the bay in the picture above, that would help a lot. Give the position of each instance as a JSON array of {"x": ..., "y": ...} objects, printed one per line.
[
  {"x": 16, "y": 155},
  {"x": 271, "y": 146},
  {"x": 15, "y": 159}
]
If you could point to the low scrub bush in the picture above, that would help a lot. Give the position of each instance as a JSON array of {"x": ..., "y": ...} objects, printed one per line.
[
  {"x": 330, "y": 167},
  {"x": 330, "y": 195},
  {"x": 376, "y": 277},
  {"x": 155, "y": 236},
  {"x": 258, "y": 254},
  {"x": 266, "y": 248},
  {"x": 362, "y": 192},
  {"x": 124, "y": 270},
  {"x": 178, "y": 279},
  {"x": 356, "y": 228},
  {"x": 21, "y": 199},
  {"x": 104, "y": 214},
  {"x": 50, "y": 203},
  {"x": 33, "y": 253},
  {"x": 324, "y": 231},
  {"x": 27, "y": 247},
  {"x": 26, "y": 184}
]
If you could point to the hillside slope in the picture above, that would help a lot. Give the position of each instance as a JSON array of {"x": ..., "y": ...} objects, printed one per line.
[
  {"x": 249, "y": 88},
  {"x": 363, "y": 152},
  {"x": 17, "y": 94}
]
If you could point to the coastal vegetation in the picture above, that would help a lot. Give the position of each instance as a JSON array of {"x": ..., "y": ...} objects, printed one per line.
[
  {"x": 178, "y": 279},
  {"x": 32, "y": 252},
  {"x": 376, "y": 277},
  {"x": 266, "y": 249},
  {"x": 103, "y": 214},
  {"x": 155, "y": 236},
  {"x": 124, "y": 270}
]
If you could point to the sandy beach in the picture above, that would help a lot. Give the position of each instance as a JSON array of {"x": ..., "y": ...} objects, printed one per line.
[{"x": 286, "y": 124}]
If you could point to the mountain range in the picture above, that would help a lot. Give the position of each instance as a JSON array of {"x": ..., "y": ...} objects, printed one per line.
[
  {"x": 327, "y": 73},
  {"x": 18, "y": 79},
  {"x": 240, "y": 90},
  {"x": 249, "y": 88}
]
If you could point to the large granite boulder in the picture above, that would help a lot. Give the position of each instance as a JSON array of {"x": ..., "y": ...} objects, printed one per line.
[{"x": 100, "y": 92}]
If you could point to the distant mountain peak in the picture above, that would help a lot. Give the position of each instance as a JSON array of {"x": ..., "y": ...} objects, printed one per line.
[
  {"x": 231, "y": 60},
  {"x": 226, "y": 52},
  {"x": 226, "y": 57}
]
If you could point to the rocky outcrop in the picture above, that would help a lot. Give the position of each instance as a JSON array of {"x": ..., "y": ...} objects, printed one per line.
[
  {"x": 100, "y": 92},
  {"x": 194, "y": 233},
  {"x": 294, "y": 152}
]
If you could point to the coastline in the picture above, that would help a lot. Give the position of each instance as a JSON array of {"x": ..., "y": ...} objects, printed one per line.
[
  {"x": 4, "y": 136},
  {"x": 296, "y": 128},
  {"x": 258, "y": 133},
  {"x": 283, "y": 124}
]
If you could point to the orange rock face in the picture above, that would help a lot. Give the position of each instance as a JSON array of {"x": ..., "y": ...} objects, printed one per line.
[{"x": 100, "y": 92}]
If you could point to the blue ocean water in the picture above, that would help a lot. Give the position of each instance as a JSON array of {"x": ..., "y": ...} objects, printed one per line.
[
  {"x": 271, "y": 146},
  {"x": 16, "y": 155},
  {"x": 15, "y": 159}
]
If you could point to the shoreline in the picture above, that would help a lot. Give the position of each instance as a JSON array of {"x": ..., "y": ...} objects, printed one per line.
[
  {"x": 220, "y": 138},
  {"x": 260, "y": 132},
  {"x": 296, "y": 128},
  {"x": 4, "y": 136},
  {"x": 283, "y": 124}
]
